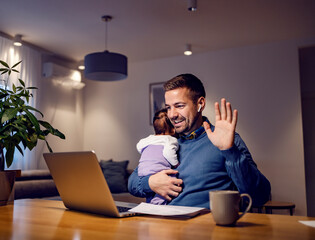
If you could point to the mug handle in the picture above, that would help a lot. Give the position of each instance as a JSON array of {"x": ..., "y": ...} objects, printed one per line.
[{"x": 249, "y": 204}]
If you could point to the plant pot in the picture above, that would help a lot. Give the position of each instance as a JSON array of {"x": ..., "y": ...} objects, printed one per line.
[{"x": 7, "y": 180}]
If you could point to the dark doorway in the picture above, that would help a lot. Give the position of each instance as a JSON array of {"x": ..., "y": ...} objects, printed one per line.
[{"x": 307, "y": 81}]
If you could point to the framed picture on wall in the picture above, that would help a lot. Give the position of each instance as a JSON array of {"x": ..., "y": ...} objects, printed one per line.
[{"x": 156, "y": 98}]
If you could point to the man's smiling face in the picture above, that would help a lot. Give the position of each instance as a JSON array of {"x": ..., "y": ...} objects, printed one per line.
[{"x": 182, "y": 111}]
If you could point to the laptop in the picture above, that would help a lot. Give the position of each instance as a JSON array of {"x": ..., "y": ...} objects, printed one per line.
[{"x": 82, "y": 185}]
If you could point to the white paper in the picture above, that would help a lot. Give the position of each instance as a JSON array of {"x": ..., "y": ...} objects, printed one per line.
[
  {"x": 165, "y": 210},
  {"x": 308, "y": 223}
]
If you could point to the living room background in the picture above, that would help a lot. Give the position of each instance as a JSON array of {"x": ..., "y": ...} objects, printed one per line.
[{"x": 261, "y": 81}]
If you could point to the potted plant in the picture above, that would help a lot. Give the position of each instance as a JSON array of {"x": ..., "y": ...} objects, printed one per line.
[{"x": 19, "y": 127}]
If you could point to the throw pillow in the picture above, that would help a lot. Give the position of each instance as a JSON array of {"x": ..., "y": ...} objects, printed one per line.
[
  {"x": 109, "y": 160},
  {"x": 115, "y": 174}
]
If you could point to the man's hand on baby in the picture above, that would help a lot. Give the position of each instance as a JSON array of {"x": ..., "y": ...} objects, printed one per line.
[{"x": 164, "y": 185}]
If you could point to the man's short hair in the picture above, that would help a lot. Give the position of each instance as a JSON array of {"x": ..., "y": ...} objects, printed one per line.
[
  {"x": 161, "y": 123},
  {"x": 189, "y": 81}
]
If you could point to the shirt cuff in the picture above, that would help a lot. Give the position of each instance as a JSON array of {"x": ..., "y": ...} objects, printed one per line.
[{"x": 231, "y": 152}]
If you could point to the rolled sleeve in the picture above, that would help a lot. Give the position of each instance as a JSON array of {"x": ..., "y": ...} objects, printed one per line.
[{"x": 139, "y": 186}]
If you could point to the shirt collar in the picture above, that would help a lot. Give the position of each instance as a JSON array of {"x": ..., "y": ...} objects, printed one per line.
[{"x": 195, "y": 134}]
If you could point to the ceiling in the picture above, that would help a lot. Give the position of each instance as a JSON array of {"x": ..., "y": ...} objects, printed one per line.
[{"x": 151, "y": 29}]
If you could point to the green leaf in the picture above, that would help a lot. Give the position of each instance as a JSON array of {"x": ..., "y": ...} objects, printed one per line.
[
  {"x": 43, "y": 135},
  {"x": 59, "y": 134},
  {"x": 22, "y": 82},
  {"x": 20, "y": 149},
  {"x": 34, "y": 109},
  {"x": 33, "y": 120},
  {"x": 49, "y": 148},
  {"x": 5, "y": 71},
  {"x": 9, "y": 114},
  {"x": 9, "y": 154},
  {"x": 20, "y": 102},
  {"x": 4, "y": 64},
  {"x": 33, "y": 138},
  {"x": 16, "y": 64},
  {"x": 3, "y": 95},
  {"x": 52, "y": 130},
  {"x": 31, "y": 145},
  {"x": 45, "y": 124}
]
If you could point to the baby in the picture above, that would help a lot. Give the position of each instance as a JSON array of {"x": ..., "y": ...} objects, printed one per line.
[{"x": 158, "y": 152}]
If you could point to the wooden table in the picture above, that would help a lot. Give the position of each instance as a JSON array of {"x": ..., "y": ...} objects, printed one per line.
[{"x": 47, "y": 219}]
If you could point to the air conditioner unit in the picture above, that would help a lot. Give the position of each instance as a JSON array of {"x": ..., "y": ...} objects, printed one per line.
[{"x": 61, "y": 75}]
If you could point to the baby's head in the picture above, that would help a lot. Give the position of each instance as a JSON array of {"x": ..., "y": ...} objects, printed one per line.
[{"x": 162, "y": 125}]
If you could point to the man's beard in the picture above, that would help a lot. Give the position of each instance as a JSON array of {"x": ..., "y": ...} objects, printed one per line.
[{"x": 187, "y": 130}]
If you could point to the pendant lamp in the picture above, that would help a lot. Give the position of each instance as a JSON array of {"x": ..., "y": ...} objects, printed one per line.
[{"x": 105, "y": 66}]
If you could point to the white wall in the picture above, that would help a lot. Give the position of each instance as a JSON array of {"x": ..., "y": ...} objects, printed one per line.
[
  {"x": 63, "y": 109},
  {"x": 262, "y": 82}
]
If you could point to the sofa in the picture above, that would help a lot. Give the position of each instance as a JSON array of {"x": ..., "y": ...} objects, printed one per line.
[
  {"x": 40, "y": 184},
  {"x": 35, "y": 184}
]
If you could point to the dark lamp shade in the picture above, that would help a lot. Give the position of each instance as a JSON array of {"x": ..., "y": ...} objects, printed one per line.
[{"x": 105, "y": 66}]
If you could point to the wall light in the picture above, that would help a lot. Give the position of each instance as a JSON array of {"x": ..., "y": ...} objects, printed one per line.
[
  {"x": 192, "y": 5},
  {"x": 188, "y": 50},
  {"x": 81, "y": 65},
  {"x": 17, "y": 41}
]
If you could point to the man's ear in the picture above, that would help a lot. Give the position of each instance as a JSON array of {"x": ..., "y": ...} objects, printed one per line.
[{"x": 201, "y": 103}]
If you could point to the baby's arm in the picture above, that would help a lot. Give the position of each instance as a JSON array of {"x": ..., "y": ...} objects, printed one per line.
[{"x": 170, "y": 151}]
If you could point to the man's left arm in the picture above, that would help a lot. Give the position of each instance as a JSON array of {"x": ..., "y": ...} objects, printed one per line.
[
  {"x": 244, "y": 173},
  {"x": 239, "y": 163}
]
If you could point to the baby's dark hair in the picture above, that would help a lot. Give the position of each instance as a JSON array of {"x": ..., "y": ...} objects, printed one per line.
[{"x": 161, "y": 123}]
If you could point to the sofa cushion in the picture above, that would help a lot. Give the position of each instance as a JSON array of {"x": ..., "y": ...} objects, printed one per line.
[
  {"x": 115, "y": 174},
  {"x": 35, "y": 189},
  {"x": 36, "y": 174}
]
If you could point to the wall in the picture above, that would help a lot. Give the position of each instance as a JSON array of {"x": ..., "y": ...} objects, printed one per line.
[
  {"x": 262, "y": 82},
  {"x": 63, "y": 109}
]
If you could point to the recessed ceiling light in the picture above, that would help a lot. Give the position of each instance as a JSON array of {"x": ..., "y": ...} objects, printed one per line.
[
  {"x": 192, "y": 5},
  {"x": 188, "y": 50},
  {"x": 17, "y": 41}
]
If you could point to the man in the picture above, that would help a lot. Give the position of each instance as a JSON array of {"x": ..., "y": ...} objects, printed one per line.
[{"x": 211, "y": 158}]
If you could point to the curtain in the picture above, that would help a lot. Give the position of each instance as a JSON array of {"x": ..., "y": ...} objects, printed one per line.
[{"x": 30, "y": 73}]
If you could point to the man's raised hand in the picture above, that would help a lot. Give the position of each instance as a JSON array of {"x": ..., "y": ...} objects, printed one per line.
[{"x": 223, "y": 134}]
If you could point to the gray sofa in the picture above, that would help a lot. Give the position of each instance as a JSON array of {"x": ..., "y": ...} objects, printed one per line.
[
  {"x": 35, "y": 184},
  {"x": 39, "y": 184}
]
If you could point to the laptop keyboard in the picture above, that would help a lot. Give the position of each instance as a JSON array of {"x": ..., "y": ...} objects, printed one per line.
[{"x": 123, "y": 209}]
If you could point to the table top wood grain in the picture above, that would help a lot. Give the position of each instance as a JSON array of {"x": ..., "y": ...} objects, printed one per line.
[{"x": 47, "y": 219}]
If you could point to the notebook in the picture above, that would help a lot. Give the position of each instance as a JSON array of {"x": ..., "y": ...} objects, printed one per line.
[{"x": 82, "y": 185}]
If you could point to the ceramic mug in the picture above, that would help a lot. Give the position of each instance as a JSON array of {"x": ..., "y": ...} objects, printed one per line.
[{"x": 224, "y": 205}]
